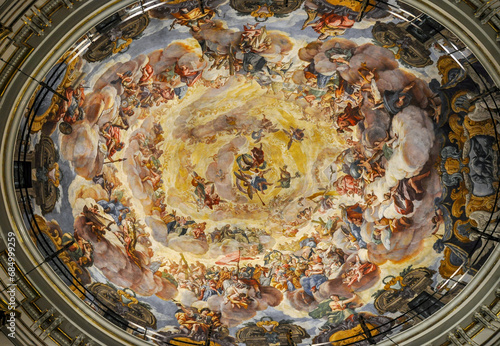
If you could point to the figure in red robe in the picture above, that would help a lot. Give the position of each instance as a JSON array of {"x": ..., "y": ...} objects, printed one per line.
[
  {"x": 113, "y": 138},
  {"x": 147, "y": 74},
  {"x": 350, "y": 117},
  {"x": 331, "y": 24},
  {"x": 187, "y": 76},
  {"x": 348, "y": 185}
]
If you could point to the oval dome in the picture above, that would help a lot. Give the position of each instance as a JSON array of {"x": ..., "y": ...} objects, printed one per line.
[{"x": 252, "y": 172}]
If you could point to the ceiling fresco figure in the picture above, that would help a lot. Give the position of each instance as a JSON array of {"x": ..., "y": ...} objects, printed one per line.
[
  {"x": 227, "y": 179},
  {"x": 333, "y": 18}
]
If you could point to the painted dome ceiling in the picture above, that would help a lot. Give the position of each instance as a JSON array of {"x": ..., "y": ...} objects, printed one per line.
[{"x": 260, "y": 170}]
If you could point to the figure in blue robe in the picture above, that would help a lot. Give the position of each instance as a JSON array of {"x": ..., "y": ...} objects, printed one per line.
[{"x": 115, "y": 209}]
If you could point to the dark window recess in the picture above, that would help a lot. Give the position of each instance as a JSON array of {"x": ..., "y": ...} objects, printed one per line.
[
  {"x": 424, "y": 29},
  {"x": 3, "y": 317},
  {"x": 22, "y": 175},
  {"x": 113, "y": 317},
  {"x": 425, "y": 305},
  {"x": 108, "y": 23}
]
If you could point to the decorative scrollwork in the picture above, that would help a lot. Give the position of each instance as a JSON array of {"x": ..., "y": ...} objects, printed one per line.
[{"x": 117, "y": 39}]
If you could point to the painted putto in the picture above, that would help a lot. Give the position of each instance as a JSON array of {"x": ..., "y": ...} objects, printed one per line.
[{"x": 266, "y": 172}]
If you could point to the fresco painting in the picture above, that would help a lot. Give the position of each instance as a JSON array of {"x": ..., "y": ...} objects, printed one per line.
[{"x": 289, "y": 167}]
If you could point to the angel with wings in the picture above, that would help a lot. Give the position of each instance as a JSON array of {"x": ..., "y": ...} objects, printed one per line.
[
  {"x": 250, "y": 184},
  {"x": 205, "y": 195},
  {"x": 295, "y": 135}
]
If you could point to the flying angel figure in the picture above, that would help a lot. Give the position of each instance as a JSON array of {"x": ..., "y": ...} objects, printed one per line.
[
  {"x": 249, "y": 184},
  {"x": 204, "y": 195},
  {"x": 295, "y": 134}
]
